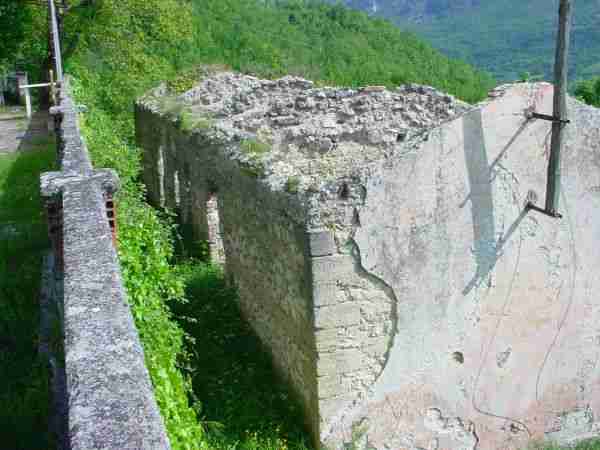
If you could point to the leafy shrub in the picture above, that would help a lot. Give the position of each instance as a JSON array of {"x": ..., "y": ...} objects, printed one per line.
[
  {"x": 254, "y": 147},
  {"x": 589, "y": 91},
  {"x": 292, "y": 184}
]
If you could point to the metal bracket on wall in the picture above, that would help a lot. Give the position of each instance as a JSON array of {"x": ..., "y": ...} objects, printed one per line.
[
  {"x": 535, "y": 115},
  {"x": 553, "y": 214}
]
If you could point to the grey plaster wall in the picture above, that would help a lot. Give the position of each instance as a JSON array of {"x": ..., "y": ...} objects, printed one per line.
[
  {"x": 109, "y": 395},
  {"x": 496, "y": 339}
]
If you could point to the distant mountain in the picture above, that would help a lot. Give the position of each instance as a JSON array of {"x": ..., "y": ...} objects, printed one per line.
[
  {"x": 505, "y": 37},
  {"x": 414, "y": 10}
]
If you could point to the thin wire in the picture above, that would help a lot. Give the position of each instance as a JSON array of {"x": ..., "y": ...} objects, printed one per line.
[
  {"x": 571, "y": 297},
  {"x": 492, "y": 339}
]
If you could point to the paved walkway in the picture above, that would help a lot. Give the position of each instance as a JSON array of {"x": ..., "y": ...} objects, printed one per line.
[{"x": 17, "y": 133}]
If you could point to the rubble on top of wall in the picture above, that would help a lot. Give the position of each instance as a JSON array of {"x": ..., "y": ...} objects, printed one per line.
[{"x": 301, "y": 136}]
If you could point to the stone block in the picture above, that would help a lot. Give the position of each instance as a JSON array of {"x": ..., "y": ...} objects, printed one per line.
[
  {"x": 341, "y": 315},
  {"x": 326, "y": 364},
  {"x": 329, "y": 386},
  {"x": 332, "y": 269},
  {"x": 321, "y": 243},
  {"x": 326, "y": 339},
  {"x": 376, "y": 347},
  {"x": 340, "y": 362},
  {"x": 327, "y": 293},
  {"x": 329, "y": 407},
  {"x": 349, "y": 360}
]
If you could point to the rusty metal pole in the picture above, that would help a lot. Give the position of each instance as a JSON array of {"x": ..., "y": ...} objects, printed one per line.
[{"x": 560, "y": 106}]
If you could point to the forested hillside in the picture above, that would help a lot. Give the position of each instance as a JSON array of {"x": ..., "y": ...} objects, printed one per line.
[{"x": 506, "y": 38}]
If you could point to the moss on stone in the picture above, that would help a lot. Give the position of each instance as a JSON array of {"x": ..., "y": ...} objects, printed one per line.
[
  {"x": 254, "y": 146},
  {"x": 292, "y": 184}
]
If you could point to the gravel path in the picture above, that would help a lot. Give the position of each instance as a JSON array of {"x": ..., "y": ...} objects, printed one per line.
[{"x": 17, "y": 133}]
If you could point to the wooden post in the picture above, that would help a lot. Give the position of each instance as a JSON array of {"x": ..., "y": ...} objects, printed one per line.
[{"x": 560, "y": 106}]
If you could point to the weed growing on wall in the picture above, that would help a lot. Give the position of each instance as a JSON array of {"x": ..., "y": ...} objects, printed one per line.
[
  {"x": 146, "y": 256},
  {"x": 592, "y": 444}
]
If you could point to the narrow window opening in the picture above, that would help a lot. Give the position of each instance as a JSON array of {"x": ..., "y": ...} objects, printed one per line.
[
  {"x": 344, "y": 192},
  {"x": 215, "y": 236},
  {"x": 176, "y": 186}
]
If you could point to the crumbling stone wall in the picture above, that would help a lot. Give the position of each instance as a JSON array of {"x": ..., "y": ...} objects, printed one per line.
[
  {"x": 261, "y": 234},
  {"x": 384, "y": 254},
  {"x": 110, "y": 402}
]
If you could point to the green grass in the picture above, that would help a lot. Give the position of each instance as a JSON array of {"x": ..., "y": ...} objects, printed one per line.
[
  {"x": 244, "y": 404},
  {"x": 24, "y": 392},
  {"x": 592, "y": 444},
  {"x": 253, "y": 146}
]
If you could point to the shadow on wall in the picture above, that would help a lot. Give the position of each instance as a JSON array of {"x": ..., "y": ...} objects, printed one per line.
[{"x": 486, "y": 248}]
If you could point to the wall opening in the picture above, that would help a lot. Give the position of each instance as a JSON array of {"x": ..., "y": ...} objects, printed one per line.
[{"x": 215, "y": 235}]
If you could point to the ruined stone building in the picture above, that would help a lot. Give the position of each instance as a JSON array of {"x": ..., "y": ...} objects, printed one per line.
[{"x": 382, "y": 251}]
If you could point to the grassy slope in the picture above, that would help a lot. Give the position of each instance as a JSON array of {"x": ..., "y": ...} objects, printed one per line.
[{"x": 24, "y": 393}]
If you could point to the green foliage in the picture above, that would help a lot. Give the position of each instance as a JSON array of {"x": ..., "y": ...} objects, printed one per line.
[
  {"x": 292, "y": 184},
  {"x": 146, "y": 256},
  {"x": 324, "y": 43},
  {"x": 184, "y": 81},
  {"x": 509, "y": 37},
  {"x": 23, "y": 37},
  {"x": 254, "y": 147},
  {"x": 232, "y": 373},
  {"x": 589, "y": 91},
  {"x": 24, "y": 377},
  {"x": 188, "y": 121},
  {"x": 592, "y": 444}
]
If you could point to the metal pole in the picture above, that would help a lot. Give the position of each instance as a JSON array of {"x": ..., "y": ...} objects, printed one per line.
[
  {"x": 560, "y": 105},
  {"x": 56, "y": 42},
  {"x": 28, "y": 102}
]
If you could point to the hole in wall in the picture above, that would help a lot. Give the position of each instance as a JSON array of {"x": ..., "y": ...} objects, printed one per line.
[
  {"x": 458, "y": 357},
  {"x": 215, "y": 235},
  {"x": 344, "y": 192},
  {"x": 400, "y": 137},
  {"x": 177, "y": 189}
]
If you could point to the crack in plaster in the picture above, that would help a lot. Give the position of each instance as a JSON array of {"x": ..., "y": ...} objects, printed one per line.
[{"x": 387, "y": 289}]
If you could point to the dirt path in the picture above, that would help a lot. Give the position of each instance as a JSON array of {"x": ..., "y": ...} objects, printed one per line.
[{"x": 17, "y": 133}]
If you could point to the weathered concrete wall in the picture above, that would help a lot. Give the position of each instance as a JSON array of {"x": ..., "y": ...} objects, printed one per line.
[
  {"x": 109, "y": 395},
  {"x": 434, "y": 311}
]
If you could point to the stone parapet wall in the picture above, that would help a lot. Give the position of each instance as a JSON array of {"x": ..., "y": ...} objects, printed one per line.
[{"x": 110, "y": 401}]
